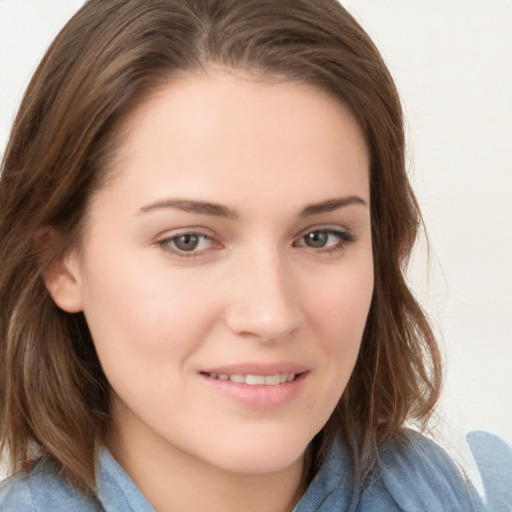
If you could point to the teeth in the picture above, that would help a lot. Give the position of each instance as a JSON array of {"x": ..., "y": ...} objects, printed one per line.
[
  {"x": 255, "y": 380},
  {"x": 272, "y": 380}
]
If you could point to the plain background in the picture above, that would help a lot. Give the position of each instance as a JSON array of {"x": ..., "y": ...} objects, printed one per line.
[{"x": 452, "y": 62}]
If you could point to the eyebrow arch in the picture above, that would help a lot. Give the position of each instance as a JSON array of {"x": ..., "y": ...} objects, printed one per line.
[
  {"x": 331, "y": 204},
  {"x": 218, "y": 210},
  {"x": 187, "y": 205}
]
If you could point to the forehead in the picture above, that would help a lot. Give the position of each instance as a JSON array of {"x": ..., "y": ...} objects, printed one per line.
[{"x": 256, "y": 137}]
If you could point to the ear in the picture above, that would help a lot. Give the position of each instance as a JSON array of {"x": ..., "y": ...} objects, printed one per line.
[
  {"x": 63, "y": 282},
  {"x": 62, "y": 276}
]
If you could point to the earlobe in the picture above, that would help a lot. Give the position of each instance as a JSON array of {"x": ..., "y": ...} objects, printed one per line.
[
  {"x": 61, "y": 275},
  {"x": 61, "y": 278}
]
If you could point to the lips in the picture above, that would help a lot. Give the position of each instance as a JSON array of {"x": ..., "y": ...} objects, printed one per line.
[
  {"x": 258, "y": 386},
  {"x": 254, "y": 379},
  {"x": 257, "y": 374}
]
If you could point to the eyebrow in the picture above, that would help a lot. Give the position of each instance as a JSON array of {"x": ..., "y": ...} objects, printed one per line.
[
  {"x": 218, "y": 210},
  {"x": 186, "y": 205},
  {"x": 331, "y": 205}
]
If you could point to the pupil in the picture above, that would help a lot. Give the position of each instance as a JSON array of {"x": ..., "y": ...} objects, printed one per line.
[
  {"x": 316, "y": 239},
  {"x": 186, "y": 242}
]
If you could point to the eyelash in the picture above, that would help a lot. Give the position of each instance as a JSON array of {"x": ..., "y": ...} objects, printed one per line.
[
  {"x": 344, "y": 238},
  {"x": 168, "y": 242}
]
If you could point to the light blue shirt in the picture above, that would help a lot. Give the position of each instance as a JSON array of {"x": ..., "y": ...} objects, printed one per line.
[{"x": 415, "y": 476}]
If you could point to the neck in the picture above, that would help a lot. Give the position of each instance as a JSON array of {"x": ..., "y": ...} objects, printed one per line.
[{"x": 171, "y": 480}]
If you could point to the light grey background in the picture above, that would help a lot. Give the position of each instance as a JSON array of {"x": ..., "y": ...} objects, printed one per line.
[{"x": 452, "y": 61}]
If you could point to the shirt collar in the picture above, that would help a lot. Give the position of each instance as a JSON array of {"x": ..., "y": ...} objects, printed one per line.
[
  {"x": 332, "y": 487},
  {"x": 116, "y": 491}
]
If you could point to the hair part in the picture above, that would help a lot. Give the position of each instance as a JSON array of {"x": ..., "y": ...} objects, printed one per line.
[{"x": 109, "y": 57}]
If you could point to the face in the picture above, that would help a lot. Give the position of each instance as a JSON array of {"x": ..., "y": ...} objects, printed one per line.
[{"x": 226, "y": 270}]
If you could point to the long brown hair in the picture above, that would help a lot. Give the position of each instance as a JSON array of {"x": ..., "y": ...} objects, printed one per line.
[{"x": 110, "y": 55}]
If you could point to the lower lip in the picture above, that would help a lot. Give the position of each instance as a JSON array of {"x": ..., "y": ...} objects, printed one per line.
[{"x": 259, "y": 396}]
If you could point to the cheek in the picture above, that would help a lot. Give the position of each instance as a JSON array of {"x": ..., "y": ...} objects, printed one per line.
[
  {"x": 138, "y": 313},
  {"x": 340, "y": 307},
  {"x": 339, "y": 312}
]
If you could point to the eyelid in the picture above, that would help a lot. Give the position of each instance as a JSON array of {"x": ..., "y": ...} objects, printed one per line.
[
  {"x": 331, "y": 228},
  {"x": 164, "y": 241},
  {"x": 344, "y": 235}
]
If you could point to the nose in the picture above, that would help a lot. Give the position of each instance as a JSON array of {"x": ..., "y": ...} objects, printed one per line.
[{"x": 264, "y": 303}]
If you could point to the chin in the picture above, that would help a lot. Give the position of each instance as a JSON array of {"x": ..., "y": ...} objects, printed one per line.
[{"x": 261, "y": 454}]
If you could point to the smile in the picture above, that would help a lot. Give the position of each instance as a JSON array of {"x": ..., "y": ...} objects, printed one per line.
[
  {"x": 257, "y": 388},
  {"x": 255, "y": 380}
]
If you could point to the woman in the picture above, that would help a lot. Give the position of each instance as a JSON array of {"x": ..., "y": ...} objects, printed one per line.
[{"x": 204, "y": 220}]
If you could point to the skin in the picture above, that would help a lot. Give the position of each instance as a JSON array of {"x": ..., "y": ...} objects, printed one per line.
[{"x": 254, "y": 290}]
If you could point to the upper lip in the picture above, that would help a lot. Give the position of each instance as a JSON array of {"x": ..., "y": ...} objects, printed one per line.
[{"x": 264, "y": 369}]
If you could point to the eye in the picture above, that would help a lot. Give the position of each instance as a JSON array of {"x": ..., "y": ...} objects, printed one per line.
[
  {"x": 188, "y": 241},
  {"x": 326, "y": 239},
  {"x": 317, "y": 239},
  {"x": 187, "y": 244}
]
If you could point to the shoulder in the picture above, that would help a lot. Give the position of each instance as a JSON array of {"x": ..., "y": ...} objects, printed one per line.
[
  {"x": 15, "y": 495},
  {"x": 413, "y": 474},
  {"x": 493, "y": 457},
  {"x": 416, "y": 474},
  {"x": 41, "y": 490}
]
